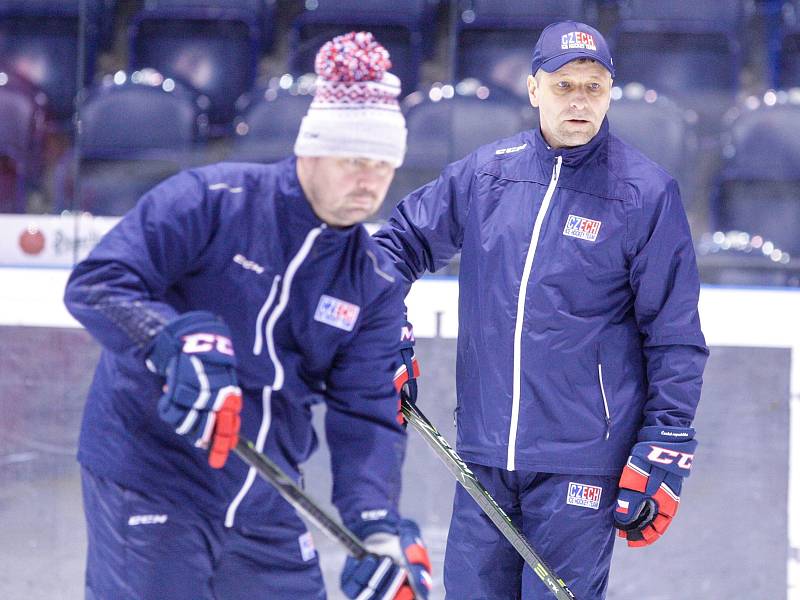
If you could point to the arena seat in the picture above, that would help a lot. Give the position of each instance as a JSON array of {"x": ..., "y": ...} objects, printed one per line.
[
  {"x": 136, "y": 131},
  {"x": 212, "y": 46},
  {"x": 268, "y": 122},
  {"x": 405, "y": 27},
  {"x": 39, "y": 40},
  {"x": 22, "y": 130},
  {"x": 758, "y": 187},
  {"x": 660, "y": 129},
  {"x": 495, "y": 39},
  {"x": 784, "y": 46},
  {"x": 688, "y": 50},
  {"x": 447, "y": 123}
]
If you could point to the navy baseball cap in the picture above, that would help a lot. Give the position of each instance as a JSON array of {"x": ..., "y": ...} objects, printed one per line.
[{"x": 565, "y": 41}]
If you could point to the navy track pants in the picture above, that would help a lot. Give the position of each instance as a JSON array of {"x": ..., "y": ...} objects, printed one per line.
[
  {"x": 568, "y": 519},
  {"x": 143, "y": 547}
]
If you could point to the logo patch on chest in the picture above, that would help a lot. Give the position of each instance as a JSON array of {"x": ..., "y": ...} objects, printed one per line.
[
  {"x": 581, "y": 494},
  {"x": 336, "y": 313},
  {"x": 582, "y": 228}
]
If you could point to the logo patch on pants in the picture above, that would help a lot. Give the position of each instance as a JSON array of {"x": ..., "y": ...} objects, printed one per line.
[
  {"x": 307, "y": 550},
  {"x": 581, "y": 494},
  {"x": 582, "y": 228}
]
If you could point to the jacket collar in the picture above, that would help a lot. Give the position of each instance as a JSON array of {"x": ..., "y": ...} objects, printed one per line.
[{"x": 576, "y": 156}]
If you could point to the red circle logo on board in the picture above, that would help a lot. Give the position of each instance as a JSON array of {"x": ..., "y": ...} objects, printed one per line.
[{"x": 31, "y": 240}]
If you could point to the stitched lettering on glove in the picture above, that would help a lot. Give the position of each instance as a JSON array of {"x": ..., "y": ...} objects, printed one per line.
[
  {"x": 397, "y": 552},
  {"x": 201, "y": 399},
  {"x": 650, "y": 486},
  {"x": 405, "y": 378}
]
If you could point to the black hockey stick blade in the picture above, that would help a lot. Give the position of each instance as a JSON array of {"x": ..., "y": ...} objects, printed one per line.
[
  {"x": 304, "y": 504},
  {"x": 481, "y": 495}
]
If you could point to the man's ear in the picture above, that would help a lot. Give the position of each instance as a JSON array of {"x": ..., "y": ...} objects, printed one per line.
[{"x": 533, "y": 91}]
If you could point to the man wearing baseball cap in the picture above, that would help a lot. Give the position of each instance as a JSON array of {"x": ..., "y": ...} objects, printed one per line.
[{"x": 580, "y": 354}]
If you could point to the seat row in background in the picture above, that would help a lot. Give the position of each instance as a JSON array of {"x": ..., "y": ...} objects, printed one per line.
[
  {"x": 193, "y": 77},
  {"x": 686, "y": 49}
]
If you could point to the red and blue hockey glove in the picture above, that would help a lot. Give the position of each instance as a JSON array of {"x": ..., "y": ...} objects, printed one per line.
[
  {"x": 378, "y": 576},
  {"x": 201, "y": 398},
  {"x": 650, "y": 486},
  {"x": 405, "y": 378}
]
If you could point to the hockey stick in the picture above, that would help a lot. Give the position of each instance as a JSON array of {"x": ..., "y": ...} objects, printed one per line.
[
  {"x": 481, "y": 495},
  {"x": 305, "y": 505}
]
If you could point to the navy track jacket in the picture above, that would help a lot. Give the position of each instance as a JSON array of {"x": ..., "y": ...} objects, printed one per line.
[
  {"x": 315, "y": 313},
  {"x": 578, "y": 292}
]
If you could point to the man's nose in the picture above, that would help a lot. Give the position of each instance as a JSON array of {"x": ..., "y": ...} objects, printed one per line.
[{"x": 578, "y": 100}]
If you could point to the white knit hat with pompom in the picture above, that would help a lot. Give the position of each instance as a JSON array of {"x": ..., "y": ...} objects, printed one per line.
[{"x": 355, "y": 110}]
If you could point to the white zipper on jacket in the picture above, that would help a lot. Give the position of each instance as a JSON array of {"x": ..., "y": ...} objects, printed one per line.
[
  {"x": 266, "y": 420},
  {"x": 277, "y": 382},
  {"x": 605, "y": 401},
  {"x": 259, "y": 338},
  {"x": 523, "y": 286}
]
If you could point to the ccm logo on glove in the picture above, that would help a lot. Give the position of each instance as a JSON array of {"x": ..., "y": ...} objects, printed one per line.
[
  {"x": 202, "y": 400},
  {"x": 207, "y": 342},
  {"x": 650, "y": 486},
  {"x": 666, "y": 456}
]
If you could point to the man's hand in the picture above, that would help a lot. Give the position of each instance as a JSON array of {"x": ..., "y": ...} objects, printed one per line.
[
  {"x": 405, "y": 378},
  {"x": 650, "y": 486},
  {"x": 378, "y": 576},
  {"x": 201, "y": 398}
]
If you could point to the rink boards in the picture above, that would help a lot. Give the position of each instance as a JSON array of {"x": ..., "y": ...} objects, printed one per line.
[{"x": 737, "y": 534}]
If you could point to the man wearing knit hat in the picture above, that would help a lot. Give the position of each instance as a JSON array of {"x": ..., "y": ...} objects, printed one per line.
[
  {"x": 234, "y": 297},
  {"x": 580, "y": 354}
]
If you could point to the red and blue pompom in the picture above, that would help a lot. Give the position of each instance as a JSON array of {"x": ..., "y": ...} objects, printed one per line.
[{"x": 355, "y": 56}]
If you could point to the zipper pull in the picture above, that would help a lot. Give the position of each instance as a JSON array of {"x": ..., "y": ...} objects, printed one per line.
[{"x": 556, "y": 162}]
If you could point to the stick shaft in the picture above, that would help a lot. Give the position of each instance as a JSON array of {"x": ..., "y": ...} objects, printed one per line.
[
  {"x": 488, "y": 504},
  {"x": 301, "y": 501}
]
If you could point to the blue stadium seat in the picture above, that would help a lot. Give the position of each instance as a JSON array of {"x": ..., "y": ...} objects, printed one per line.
[
  {"x": 495, "y": 38},
  {"x": 269, "y": 120},
  {"x": 758, "y": 188},
  {"x": 22, "y": 128},
  {"x": 405, "y": 27},
  {"x": 660, "y": 129},
  {"x": 784, "y": 46},
  {"x": 136, "y": 132},
  {"x": 39, "y": 39},
  {"x": 211, "y": 46},
  {"x": 741, "y": 258},
  {"x": 447, "y": 123},
  {"x": 686, "y": 49}
]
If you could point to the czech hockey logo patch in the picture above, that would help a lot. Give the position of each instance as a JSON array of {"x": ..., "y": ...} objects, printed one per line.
[
  {"x": 578, "y": 39},
  {"x": 336, "y": 313},
  {"x": 587, "y": 496},
  {"x": 307, "y": 549},
  {"x": 582, "y": 228}
]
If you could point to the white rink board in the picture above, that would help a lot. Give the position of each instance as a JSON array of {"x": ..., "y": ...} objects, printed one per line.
[{"x": 741, "y": 317}]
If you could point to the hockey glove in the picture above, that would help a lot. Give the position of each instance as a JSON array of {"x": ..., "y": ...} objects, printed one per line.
[
  {"x": 405, "y": 378},
  {"x": 650, "y": 486},
  {"x": 201, "y": 398},
  {"x": 379, "y": 576}
]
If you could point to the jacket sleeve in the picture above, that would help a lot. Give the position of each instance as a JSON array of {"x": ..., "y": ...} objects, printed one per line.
[
  {"x": 426, "y": 229},
  {"x": 366, "y": 441},
  {"x": 118, "y": 292},
  {"x": 666, "y": 286}
]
